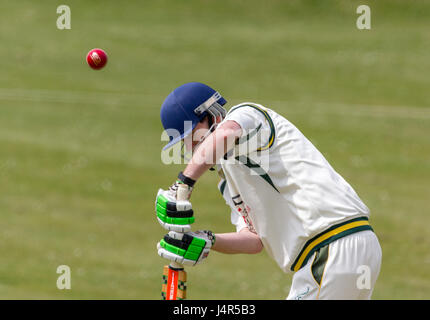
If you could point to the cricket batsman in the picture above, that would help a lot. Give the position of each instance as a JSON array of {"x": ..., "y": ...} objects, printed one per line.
[{"x": 283, "y": 195}]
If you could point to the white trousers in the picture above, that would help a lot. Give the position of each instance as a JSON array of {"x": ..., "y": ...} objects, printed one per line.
[{"x": 345, "y": 269}]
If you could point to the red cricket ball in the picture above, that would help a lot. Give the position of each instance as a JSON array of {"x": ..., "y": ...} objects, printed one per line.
[{"x": 97, "y": 58}]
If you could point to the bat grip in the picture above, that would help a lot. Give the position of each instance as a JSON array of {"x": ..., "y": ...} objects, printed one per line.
[{"x": 176, "y": 265}]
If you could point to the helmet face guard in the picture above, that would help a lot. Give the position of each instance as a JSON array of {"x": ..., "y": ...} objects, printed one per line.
[
  {"x": 190, "y": 103},
  {"x": 213, "y": 106}
]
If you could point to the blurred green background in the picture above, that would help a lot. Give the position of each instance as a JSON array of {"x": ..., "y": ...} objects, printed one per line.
[{"x": 80, "y": 149}]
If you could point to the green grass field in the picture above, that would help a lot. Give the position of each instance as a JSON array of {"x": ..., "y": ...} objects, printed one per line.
[{"x": 80, "y": 149}]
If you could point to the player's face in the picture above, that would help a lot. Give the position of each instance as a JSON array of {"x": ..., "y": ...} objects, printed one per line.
[
  {"x": 199, "y": 132},
  {"x": 197, "y": 135}
]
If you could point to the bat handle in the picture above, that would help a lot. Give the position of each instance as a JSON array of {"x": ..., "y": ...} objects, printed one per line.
[{"x": 176, "y": 265}]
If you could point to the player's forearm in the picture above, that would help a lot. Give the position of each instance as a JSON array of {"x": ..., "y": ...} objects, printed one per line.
[
  {"x": 238, "y": 242},
  {"x": 212, "y": 149}
]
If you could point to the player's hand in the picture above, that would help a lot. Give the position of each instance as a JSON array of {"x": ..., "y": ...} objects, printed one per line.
[
  {"x": 188, "y": 248},
  {"x": 172, "y": 214},
  {"x": 182, "y": 188}
]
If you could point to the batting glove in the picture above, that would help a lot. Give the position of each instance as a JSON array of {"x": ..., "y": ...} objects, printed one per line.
[
  {"x": 173, "y": 214},
  {"x": 188, "y": 248}
]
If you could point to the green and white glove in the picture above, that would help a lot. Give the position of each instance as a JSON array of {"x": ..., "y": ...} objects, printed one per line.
[
  {"x": 173, "y": 214},
  {"x": 188, "y": 248}
]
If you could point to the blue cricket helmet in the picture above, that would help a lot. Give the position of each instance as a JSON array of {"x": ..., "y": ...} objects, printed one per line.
[{"x": 190, "y": 102}]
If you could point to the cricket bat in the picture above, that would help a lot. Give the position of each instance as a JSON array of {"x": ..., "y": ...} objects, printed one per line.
[
  {"x": 174, "y": 276},
  {"x": 174, "y": 282}
]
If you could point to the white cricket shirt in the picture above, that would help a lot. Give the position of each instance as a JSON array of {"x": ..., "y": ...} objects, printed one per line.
[{"x": 279, "y": 185}]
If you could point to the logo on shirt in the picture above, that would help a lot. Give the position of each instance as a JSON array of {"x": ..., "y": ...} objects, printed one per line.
[{"x": 244, "y": 211}]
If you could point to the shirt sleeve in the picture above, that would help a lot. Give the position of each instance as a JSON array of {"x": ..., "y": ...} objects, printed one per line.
[{"x": 257, "y": 127}]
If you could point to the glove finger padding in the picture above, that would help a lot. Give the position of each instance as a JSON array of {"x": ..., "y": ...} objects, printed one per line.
[
  {"x": 174, "y": 257},
  {"x": 188, "y": 249},
  {"x": 173, "y": 215}
]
